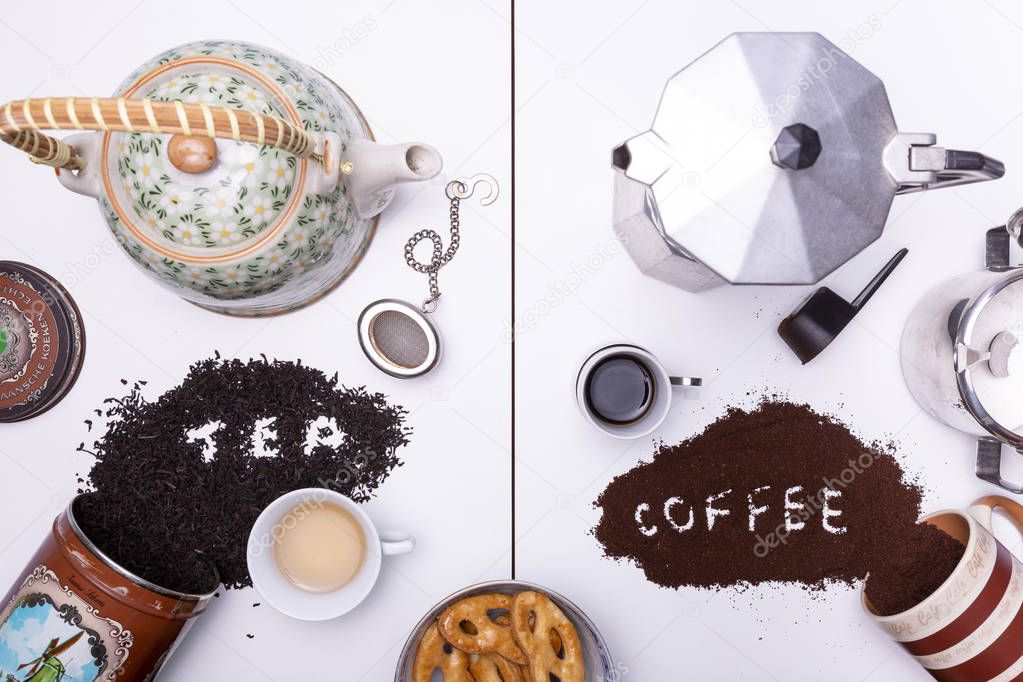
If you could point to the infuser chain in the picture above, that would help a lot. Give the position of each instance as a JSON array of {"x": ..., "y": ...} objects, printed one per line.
[
  {"x": 438, "y": 258},
  {"x": 456, "y": 190}
]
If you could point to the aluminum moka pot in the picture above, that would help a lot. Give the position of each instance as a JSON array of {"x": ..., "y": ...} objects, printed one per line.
[
  {"x": 773, "y": 159},
  {"x": 962, "y": 358}
]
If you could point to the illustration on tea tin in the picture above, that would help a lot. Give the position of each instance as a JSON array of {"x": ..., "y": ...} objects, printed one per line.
[{"x": 49, "y": 634}]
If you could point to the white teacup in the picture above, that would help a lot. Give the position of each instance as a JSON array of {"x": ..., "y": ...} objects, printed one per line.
[
  {"x": 290, "y": 599},
  {"x": 659, "y": 407}
]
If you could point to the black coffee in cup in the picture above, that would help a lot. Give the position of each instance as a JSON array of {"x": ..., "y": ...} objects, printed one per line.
[{"x": 620, "y": 389}]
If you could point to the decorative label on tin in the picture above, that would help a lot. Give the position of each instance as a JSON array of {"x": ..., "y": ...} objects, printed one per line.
[
  {"x": 12, "y": 350},
  {"x": 27, "y": 338},
  {"x": 49, "y": 633}
]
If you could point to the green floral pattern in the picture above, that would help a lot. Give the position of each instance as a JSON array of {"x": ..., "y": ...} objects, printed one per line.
[{"x": 324, "y": 238}]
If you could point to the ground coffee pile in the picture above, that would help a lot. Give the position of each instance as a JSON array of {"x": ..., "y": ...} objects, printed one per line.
[
  {"x": 168, "y": 504},
  {"x": 915, "y": 572},
  {"x": 776, "y": 493}
]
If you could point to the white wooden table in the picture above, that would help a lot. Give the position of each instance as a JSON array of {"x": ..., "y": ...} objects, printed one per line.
[{"x": 589, "y": 75}]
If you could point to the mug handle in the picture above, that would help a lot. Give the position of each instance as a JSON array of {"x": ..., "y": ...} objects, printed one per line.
[
  {"x": 395, "y": 542},
  {"x": 685, "y": 381},
  {"x": 984, "y": 508}
]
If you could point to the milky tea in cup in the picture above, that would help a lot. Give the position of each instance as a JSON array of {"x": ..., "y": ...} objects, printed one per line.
[{"x": 321, "y": 547}]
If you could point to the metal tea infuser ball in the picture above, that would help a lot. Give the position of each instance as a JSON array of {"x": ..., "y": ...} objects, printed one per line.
[{"x": 397, "y": 336}]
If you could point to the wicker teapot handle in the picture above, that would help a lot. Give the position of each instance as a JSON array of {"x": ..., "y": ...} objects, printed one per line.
[{"x": 23, "y": 119}]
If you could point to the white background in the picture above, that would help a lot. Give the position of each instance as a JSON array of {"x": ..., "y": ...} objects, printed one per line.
[
  {"x": 589, "y": 76},
  {"x": 435, "y": 73}
]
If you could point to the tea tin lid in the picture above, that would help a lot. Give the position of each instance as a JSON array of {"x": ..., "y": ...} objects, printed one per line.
[{"x": 42, "y": 342}]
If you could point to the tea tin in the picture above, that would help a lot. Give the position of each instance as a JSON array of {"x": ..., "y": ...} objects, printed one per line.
[{"x": 87, "y": 617}]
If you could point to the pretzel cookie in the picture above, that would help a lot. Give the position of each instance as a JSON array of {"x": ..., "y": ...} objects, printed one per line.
[
  {"x": 470, "y": 625},
  {"x": 494, "y": 668},
  {"x": 534, "y": 617},
  {"x": 433, "y": 653}
]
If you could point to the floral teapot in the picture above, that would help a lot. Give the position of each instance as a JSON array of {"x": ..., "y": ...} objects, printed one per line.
[{"x": 247, "y": 182}]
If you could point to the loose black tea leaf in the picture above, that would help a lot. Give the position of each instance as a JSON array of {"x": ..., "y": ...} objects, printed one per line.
[{"x": 177, "y": 483}]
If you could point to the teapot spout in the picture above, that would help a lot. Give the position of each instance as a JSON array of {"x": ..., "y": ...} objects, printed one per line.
[{"x": 373, "y": 170}]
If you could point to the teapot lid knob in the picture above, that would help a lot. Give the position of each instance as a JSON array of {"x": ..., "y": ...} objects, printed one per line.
[
  {"x": 192, "y": 154},
  {"x": 1003, "y": 347}
]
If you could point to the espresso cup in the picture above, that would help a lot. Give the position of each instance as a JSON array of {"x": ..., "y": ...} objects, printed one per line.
[
  {"x": 971, "y": 628},
  {"x": 288, "y": 598},
  {"x": 660, "y": 401}
]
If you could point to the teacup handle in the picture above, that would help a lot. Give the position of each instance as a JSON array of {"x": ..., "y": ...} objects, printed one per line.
[
  {"x": 685, "y": 381},
  {"x": 983, "y": 510},
  {"x": 395, "y": 542}
]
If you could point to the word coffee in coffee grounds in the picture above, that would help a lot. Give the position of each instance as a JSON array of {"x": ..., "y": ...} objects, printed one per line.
[
  {"x": 777, "y": 493},
  {"x": 914, "y": 572},
  {"x": 178, "y": 483}
]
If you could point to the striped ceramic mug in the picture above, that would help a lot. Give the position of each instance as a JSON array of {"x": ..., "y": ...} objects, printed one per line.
[{"x": 971, "y": 628}]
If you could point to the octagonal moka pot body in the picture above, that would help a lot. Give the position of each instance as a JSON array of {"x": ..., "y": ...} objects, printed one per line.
[
  {"x": 247, "y": 182},
  {"x": 773, "y": 159}
]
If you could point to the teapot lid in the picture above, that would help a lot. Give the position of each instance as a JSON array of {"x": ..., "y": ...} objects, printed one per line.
[
  {"x": 989, "y": 354},
  {"x": 765, "y": 159},
  {"x": 189, "y": 197}
]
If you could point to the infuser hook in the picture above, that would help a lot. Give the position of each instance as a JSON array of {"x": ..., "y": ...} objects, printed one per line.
[{"x": 463, "y": 188}]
